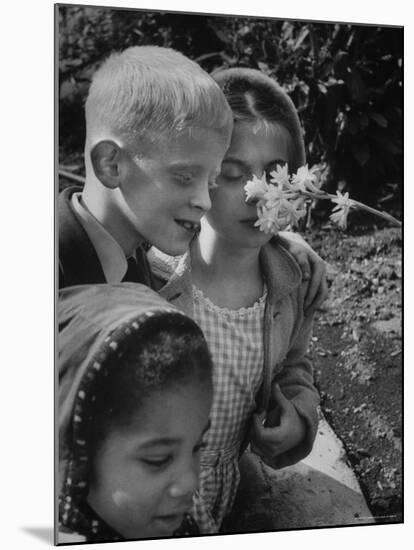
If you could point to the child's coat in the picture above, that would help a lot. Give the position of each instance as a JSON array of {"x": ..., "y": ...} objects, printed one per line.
[{"x": 78, "y": 261}]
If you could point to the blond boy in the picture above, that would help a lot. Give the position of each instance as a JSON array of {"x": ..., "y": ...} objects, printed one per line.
[{"x": 157, "y": 128}]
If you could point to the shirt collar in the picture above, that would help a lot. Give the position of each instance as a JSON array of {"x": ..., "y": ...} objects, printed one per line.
[{"x": 110, "y": 254}]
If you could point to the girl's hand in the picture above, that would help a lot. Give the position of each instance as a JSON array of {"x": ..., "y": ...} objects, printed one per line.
[
  {"x": 279, "y": 430},
  {"x": 313, "y": 270}
]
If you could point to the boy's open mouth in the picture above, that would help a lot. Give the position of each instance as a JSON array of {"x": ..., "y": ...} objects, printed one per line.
[{"x": 192, "y": 227}]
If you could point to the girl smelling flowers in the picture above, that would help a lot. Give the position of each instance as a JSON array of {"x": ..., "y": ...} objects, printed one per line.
[{"x": 245, "y": 292}]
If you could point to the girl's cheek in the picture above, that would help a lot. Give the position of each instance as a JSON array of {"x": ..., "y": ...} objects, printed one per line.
[{"x": 122, "y": 499}]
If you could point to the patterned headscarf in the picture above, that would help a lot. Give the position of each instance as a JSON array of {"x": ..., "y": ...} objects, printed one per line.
[{"x": 95, "y": 323}]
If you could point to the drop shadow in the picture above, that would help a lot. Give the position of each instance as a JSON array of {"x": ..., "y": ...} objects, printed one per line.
[{"x": 43, "y": 533}]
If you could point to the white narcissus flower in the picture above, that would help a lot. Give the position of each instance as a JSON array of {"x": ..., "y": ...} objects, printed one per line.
[
  {"x": 276, "y": 196},
  {"x": 256, "y": 188},
  {"x": 294, "y": 214},
  {"x": 280, "y": 176},
  {"x": 267, "y": 220},
  {"x": 340, "y": 212},
  {"x": 342, "y": 200},
  {"x": 282, "y": 202},
  {"x": 304, "y": 179},
  {"x": 340, "y": 218}
]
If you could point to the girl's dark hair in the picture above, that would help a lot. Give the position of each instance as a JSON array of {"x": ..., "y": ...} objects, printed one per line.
[
  {"x": 168, "y": 351},
  {"x": 254, "y": 96}
]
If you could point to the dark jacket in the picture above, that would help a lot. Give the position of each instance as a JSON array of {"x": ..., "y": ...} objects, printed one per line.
[{"x": 78, "y": 262}]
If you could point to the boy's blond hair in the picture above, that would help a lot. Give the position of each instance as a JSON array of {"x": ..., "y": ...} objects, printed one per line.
[{"x": 148, "y": 92}]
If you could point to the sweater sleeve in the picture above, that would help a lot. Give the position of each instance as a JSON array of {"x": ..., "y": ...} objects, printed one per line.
[{"x": 295, "y": 379}]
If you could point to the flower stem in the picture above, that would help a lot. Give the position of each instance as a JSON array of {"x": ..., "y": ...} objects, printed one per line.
[{"x": 355, "y": 204}]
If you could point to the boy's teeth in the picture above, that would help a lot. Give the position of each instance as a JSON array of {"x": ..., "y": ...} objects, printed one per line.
[{"x": 188, "y": 225}]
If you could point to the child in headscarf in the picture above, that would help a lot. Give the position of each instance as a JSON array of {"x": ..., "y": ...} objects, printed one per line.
[{"x": 134, "y": 398}]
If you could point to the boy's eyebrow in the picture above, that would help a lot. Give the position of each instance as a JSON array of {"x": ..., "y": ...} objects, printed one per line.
[
  {"x": 242, "y": 163},
  {"x": 185, "y": 165},
  {"x": 196, "y": 168}
]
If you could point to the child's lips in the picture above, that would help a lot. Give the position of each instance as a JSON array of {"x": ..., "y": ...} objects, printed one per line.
[
  {"x": 191, "y": 227},
  {"x": 170, "y": 522},
  {"x": 249, "y": 221}
]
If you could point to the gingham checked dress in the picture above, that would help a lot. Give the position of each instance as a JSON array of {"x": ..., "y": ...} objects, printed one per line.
[{"x": 235, "y": 339}]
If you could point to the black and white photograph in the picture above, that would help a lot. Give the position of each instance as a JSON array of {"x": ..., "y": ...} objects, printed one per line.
[{"x": 228, "y": 209}]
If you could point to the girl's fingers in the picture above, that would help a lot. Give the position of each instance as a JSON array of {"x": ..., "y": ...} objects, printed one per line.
[
  {"x": 258, "y": 421},
  {"x": 256, "y": 450},
  {"x": 279, "y": 398}
]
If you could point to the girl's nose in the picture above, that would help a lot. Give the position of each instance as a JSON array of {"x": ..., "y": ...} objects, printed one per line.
[
  {"x": 201, "y": 198},
  {"x": 258, "y": 171},
  {"x": 185, "y": 484}
]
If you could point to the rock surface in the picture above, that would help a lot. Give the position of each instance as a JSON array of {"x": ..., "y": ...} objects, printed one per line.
[{"x": 320, "y": 491}]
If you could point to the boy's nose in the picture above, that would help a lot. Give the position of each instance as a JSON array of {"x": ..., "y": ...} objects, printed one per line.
[
  {"x": 201, "y": 198},
  {"x": 185, "y": 483}
]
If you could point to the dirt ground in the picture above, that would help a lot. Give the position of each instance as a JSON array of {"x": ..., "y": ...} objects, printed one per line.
[{"x": 357, "y": 354}]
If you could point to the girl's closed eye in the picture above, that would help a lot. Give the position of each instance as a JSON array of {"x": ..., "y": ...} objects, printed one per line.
[
  {"x": 156, "y": 462},
  {"x": 232, "y": 173}
]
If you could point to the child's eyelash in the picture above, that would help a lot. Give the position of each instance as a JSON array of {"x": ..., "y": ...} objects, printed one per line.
[
  {"x": 184, "y": 178},
  {"x": 200, "y": 446},
  {"x": 233, "y": 179},
  {"x": 156, "y": 463}
]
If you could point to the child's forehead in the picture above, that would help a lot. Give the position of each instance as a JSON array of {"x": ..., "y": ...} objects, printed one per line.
[
  {"x": 187, "y": 136},
  {"x": 251, "y": 132},
  {"x": 185, "y": 146},
  {"x": 261, "y": 126}
]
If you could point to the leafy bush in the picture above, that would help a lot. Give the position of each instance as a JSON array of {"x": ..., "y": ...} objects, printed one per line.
[{"x": 346, "y": 80}]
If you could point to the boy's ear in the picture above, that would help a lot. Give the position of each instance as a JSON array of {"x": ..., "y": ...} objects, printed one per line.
[{"x": 106, "y": 157}]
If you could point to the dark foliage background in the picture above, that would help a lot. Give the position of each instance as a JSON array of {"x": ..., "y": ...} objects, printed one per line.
[{"x": 346, "y": 81}]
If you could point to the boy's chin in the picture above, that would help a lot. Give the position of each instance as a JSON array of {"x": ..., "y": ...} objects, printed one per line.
[{"x": 174, "y": 249}]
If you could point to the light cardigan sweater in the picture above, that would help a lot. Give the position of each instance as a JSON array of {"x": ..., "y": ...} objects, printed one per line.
[{"x": 286, "y": 334}]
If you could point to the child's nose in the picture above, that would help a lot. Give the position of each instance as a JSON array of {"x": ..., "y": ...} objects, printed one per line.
[
  {"x": 258, "y": 171},
  {"x": 185, "y": 483},
  {"x": 201, "y": 198}
]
